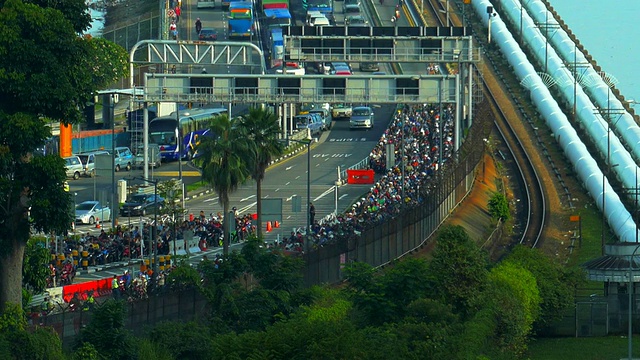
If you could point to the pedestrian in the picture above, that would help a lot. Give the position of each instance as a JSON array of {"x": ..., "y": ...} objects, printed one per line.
[
  {"x": 312, "y": 213},
  {"x": 173, "y": 29},
  {"x": 178, "y": 11},
  {"x": 173, "y": 69},
  {"x": 198, "y": 26},
  {"x": 115, "y": 291}
]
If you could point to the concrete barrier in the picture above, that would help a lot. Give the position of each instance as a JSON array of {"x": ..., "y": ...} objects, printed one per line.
[{"x": 193, "y": 245}]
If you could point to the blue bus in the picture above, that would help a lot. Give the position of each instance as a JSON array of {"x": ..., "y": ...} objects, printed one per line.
[
  {"x": 323, "y": 6},
  {"x": 278, "y": 17},
  {"x": 277, "y": 47},
  {"x": 165, "y": 131},
  {"x": 241, "y": 19}
]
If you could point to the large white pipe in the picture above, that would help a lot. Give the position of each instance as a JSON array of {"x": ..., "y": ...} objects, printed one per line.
[
  {"x": 585, "y": 166},
  {"x": 599, "y": 90}
]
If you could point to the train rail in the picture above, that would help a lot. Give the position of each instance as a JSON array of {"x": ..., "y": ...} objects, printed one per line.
[{"x": 534, "y": 213}]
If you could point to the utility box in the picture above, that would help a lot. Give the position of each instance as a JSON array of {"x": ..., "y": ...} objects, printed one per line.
[{"x": 122, "y": 191}]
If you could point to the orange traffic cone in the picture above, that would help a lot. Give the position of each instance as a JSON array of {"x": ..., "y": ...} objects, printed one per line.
[
  {"x": 97, "y": 223},
  {"x": 268, "y": 226},
  {"x": 276, "y": 224}
]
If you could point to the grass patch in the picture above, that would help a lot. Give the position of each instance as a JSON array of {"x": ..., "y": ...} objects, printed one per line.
[
  {"x": 587, "y": 348},
  {"x": 199, "y": 185}
]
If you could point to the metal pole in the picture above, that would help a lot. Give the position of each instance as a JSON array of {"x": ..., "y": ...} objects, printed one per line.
[
  {"x": 114, "y": 198},
  {"x": 402, "y": 159},
  {"x": 603, "y": 190},
  {"x": 306, "y": 243},
  {"x": 155, "y": 228},
  {"x": 180, "y": 141},
  {"x": 630, "y": 291},
  {"x": 440, "y": 126},
  {"x": 145, "y": 140}
]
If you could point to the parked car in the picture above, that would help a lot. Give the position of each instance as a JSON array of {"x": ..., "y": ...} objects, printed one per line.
[
  {"x": 292, "y": 68},
  {"x": 155, "y": 159},
  {"x": 369, "y": 66},
  {"x": 356, "y": 20},
  {"x": 319, "y": 21},
  {"x": 351, "y": 6},
  {"x": 341, "y": 68},
  {"x": 141, "y": 204},
  {"x": 308, "y": 121},
  {"x": 325, "y": 115},
  {"x": 73, "y": 167},
  {"x": 208, "y": 35},
  {"x": 362, "y": 117},
  {"x": 341, "y": 111},
  {"x": 123, "y": 158},
  {"x": 89, "y": 162},
  {"x": 89, "y": 212}
]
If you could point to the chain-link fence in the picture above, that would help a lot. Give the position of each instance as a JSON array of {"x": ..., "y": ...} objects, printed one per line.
[
  {"x": 184, "y": 305},
  {"x": 127, "y": 34}
]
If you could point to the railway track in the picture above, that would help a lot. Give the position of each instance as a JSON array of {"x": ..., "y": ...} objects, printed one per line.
[{"x": 534, "y": 205}]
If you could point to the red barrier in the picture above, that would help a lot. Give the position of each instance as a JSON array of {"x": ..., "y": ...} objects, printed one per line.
[
  {"x": 360, "y": 177},
  {"x": 100, "y": 287}
]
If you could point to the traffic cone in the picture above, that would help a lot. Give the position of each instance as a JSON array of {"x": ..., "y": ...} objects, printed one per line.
[
  {"x": 276, "y": 224},
  {"x": 268, "y": 226},
  {"x": 97, "y": 223}
]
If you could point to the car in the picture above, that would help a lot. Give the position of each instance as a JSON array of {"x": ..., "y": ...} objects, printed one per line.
[
  {"x": 369, "y": 66},
  {"x": 155, "y": 159},
  {"x": 292, "y": 68},
  {"x": 309, "y": 121},
  {"x": 356, "y": 20},
  {"x": 89, "y": 162},
  {"x": 141, "y": 204},
  {"x": 341, "y": 68},
  {"x": 341, "y": 111},
  {"x": 208, "y": 35},
  {"x": 319, "y": 21},
  {"x": 73, "y": 167},
  {"x": 362, "y": 117},
  {"x": 123, "y": 158},
  {"x": 89, "y": 212},
  {"x": 325, "y": 115},
  {"x": 351, "y": 6}
]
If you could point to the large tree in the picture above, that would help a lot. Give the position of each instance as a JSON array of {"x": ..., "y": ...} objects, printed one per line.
[
  {"x": 262, "y": 129},
  {"x": 47, "y": 72},
  {"x": 223, "y": 159}
]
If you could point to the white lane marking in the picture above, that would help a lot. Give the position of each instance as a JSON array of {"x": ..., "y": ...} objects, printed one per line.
[
  {"x": 246, "y": 208},
  {"x": 343, "y": 196},
  {"x": 325, "y": 193},
  {"x": 247, "y": 198},
  {"x": 289, "y": 168}
]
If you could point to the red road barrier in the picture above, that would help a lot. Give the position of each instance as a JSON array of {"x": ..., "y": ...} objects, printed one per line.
[
  {"x": 100, "y": 287},
  {"x": 360, "y": 177}
]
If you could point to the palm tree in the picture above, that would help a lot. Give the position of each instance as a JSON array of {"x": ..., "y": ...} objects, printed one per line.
[
  {"x": 223, "y": 159},
  {"x": 262, "y": 129}
]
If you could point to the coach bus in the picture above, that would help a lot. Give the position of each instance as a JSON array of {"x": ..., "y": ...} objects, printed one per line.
[{"x": 166, "y": 131}]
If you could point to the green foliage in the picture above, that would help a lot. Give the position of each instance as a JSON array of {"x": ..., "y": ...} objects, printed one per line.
[
  {"x": 150, "y": 350},
  {"x": 171, "y": 191},
  {"x": 189, "y": 340},
  {"x": 512, "y": 294},
  {"x": 332, "y": 306},
  {"x": 183, "y": 276},
  {"x": 39, "y": 344},
  {"x": 499, "y": 207},
  {"x": 46, "y": 72},
  {"x": 12, "y": 319},
  {"x": 86, "y": 351},
  {"x": 224, "y": 161},
  {"x": 477, "y": 335},
  {"x": 106, "y": 331},
  {"x": 34, "y": 265},
  {"x": 458, "y": 270},
  {"x": 556, "y": 283}
]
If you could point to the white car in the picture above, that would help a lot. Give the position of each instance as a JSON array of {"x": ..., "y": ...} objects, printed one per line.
[{"x": 89, "y": 212}]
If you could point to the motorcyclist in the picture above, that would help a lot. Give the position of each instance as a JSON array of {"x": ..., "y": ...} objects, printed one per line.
[{"x": 198, "y": 26}]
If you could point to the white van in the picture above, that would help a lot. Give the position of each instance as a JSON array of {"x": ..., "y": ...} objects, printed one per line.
[
  {"x": 319, "y": 21},
  {"x": 312, "y": 14}
]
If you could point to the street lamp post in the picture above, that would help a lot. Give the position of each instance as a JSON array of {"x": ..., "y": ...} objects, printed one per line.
[{"x": 630, "y": 291}]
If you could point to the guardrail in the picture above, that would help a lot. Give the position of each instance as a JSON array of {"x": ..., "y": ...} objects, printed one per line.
[{"x": 342, "y": 174}]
